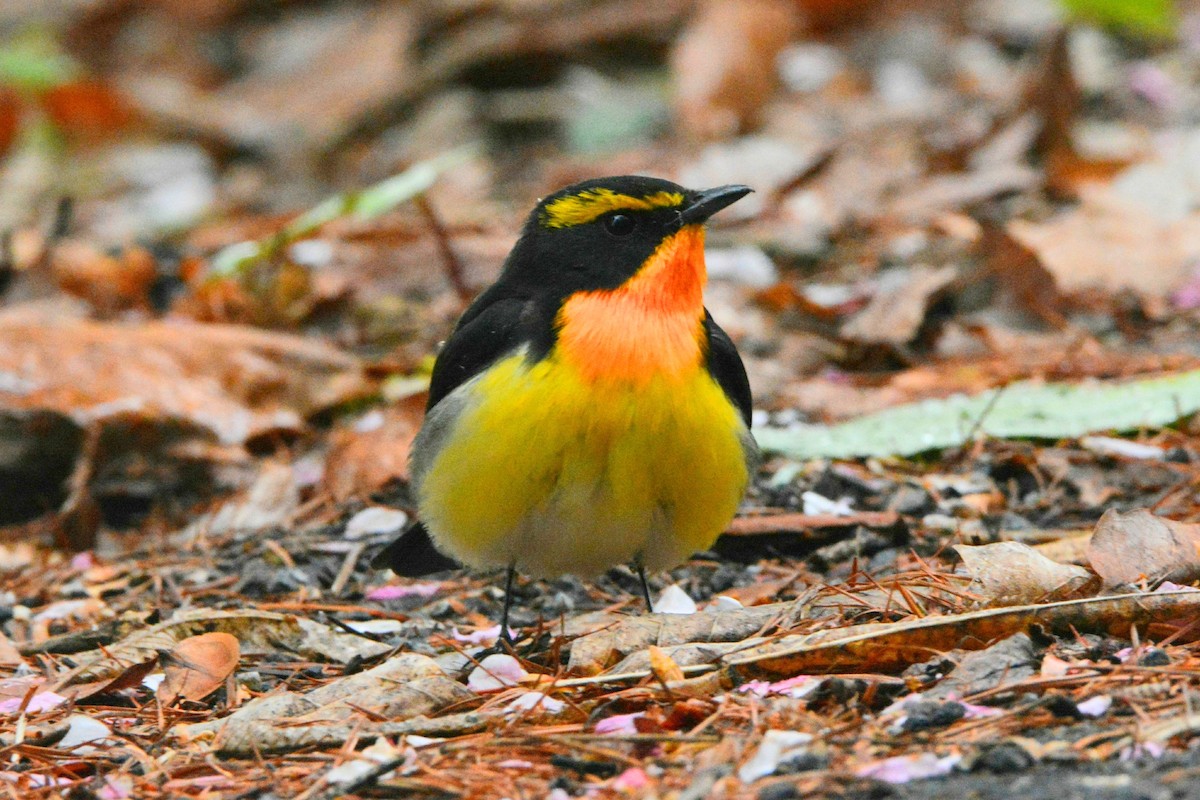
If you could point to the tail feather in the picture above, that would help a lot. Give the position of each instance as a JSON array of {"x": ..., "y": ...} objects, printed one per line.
[{"x": 413, "y": 555}]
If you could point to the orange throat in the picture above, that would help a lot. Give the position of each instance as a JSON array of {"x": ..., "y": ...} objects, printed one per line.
[{"x": 650, "y": 326}]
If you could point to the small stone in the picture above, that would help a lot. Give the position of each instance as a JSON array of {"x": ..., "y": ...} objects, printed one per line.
[
  {"x": 1154, "y": 657},
  {"x": 779, "y": 791},
  {"x": 1005, "y": 757},
  {"x": 926, "y": 714},
  {"x": 810, "y": 66}
]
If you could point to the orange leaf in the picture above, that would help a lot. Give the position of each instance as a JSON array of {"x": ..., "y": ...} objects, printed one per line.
[
  {"x": 86, "y": 110},
  {"x": 663, "y": 666},
  {"x": 197, "y": 666},
  {"x": 10, "y": 118}
]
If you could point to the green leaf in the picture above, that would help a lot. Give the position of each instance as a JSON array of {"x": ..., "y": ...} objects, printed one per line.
[
  {"x": 1150, "y": 18},
  {"x": 34, "y": 62},
  {"x": 1021, "y": 410},
  {"x": 362, "y": 205}
]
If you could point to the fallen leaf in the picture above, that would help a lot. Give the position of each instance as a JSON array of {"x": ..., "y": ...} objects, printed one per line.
[
  {"x": 9, "y": 655},
  {"x": 256, "y": 631},
  {"x": 663, "y": 666},
  {"x": 1138, "y": 546},
  {"x": 86, "y": 110},
  {"x": 897, "y": 311},
  {"x": 1029, "y": 409},
  {"x": 1008, "y": 661},
  {"x": 133, "y": 675},
  {"x": 400, "y": 690},
  {"x": 365, "y": 457},
  {"x": 1093, "y": 245},
  {"x": 604, "y": 639},
  {"x": 198, "y": 666},
  {"x": 83, "y": 730},
  {"x": 1011, "y": 573},
  {"x": 236, "y": 382},
  {"x": 110, "y": 283},
  {"x": 271, "y": 107},
  {"x": 723, "y": 64}
]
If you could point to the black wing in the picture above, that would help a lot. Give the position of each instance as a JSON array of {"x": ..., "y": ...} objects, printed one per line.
[
  {"x": 491, "y": 328},
  {"x": 726, "y": 367}
]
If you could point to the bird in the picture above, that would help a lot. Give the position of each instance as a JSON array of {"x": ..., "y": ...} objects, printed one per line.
[{"x": 587, "y": 410}]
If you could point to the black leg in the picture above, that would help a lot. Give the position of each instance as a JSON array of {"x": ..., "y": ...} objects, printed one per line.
[
  {"x": 641, "y": 570},
  {"x": 508, "y": 587}
]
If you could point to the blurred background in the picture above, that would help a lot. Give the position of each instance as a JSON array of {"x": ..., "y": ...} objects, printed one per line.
[{"x": 950, "y": 196}]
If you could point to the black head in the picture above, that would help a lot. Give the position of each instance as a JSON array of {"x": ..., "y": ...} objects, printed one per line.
[{"x": 598, "y": 233}]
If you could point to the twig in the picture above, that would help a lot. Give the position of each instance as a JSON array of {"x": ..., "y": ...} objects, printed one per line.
[
  {"x": 450, "y": 260},
  {"x": 977, "y": 425},
  {"x": 347, "y": 570}
]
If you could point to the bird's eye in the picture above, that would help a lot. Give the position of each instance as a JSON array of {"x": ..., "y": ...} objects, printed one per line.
[{"x": 620, "y": 225}]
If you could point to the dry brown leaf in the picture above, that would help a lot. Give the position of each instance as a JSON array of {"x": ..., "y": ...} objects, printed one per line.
[
  {"x": 234, "y": 381},
  {"x": 109, "y": 283},
  {"x": 400, "y": 688},
  {"x": 893, "y": 646},
  {"x": 1138, "y": 546},
  {"x": 1011, "y": 573},
  {"x": 1020, "y": 275},
  {"x": 828, "y": 15},
  {"x": 367, "y": 455},
  {"x": 1066, "y": 546},
  {"x": 9, "y": 655},
  {"x": 604, "y": 639},
  {"x": 1110, "y": 242},
  {"x": 132, "y": 676},
  {"x": 345, "y": 81},
  {"x": 663, "y": 666},
  {"x": 897, "y": 311},
  {"x": 198, "y": 666},
  {"x": 1004, "y": 663},
  {"x": 724, "y": 64},
  {"x": 256, "y": 631}
]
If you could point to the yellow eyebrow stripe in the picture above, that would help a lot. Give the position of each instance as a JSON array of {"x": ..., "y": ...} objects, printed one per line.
[{"x": 582, "y": 208}]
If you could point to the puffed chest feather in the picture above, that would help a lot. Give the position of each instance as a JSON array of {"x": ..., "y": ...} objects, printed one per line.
[{"x": 534, "y": 464}]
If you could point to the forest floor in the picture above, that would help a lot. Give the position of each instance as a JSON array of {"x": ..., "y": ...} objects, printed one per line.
[{"x": 966, "y": 289}]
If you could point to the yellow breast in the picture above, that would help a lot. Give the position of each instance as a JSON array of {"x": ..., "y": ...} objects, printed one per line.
[{"x": 545, "y": 465}]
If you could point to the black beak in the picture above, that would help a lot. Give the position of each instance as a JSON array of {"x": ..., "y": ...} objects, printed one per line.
[{"x": 710, "y": 201}]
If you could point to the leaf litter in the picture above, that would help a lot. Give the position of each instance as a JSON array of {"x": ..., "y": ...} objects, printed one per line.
[{"x": 963, "y": 291}]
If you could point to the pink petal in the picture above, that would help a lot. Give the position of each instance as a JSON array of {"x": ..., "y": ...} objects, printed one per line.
[
  {"x": 1095, "y": 706},
  {"x": 42, "y": 701},
  {"x": 482, "y": 636},
  {"x": 902, "y": 769},
  {"x": 395, "y": 592},
  {"x": 531, "y": 700},
  {"x": 496, "y": 672},
  {"x": 631, "y": 779},
  {"x": 1143, "y": 750},
  {"x": 118, "y": 787},
  {"x": 759, "y": 688},
  {"x": 1154, "y": 85},
  {"x": 979, "y": 712},
  {"x": 621, "y": 723},
  {"x": 798, "y": 686},
  {"x": 1054, "y": 667}
]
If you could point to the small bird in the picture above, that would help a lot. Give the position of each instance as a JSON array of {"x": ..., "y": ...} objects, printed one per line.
[{"x": 587, "y": 410}]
